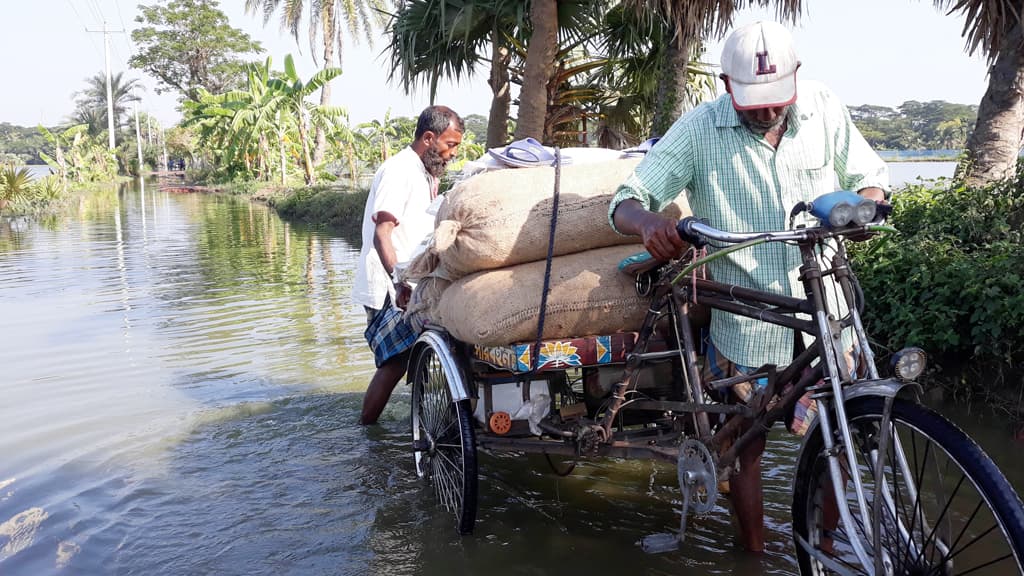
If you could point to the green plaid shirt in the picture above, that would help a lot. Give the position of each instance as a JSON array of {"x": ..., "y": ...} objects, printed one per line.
[{"x": 737, "y": 181}]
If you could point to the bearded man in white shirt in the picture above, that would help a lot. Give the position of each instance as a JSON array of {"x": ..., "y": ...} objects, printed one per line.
[{"x": 395, "y": 222}]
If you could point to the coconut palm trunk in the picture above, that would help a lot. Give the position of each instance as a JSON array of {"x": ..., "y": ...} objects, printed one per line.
[
  {"x": 501, "y": 100},
  {"x": 671, "y": 83},
  {"x": 993, "y": 147},
  {"x": 329, "y": 25},
  {"x": 540, "y": 62}
]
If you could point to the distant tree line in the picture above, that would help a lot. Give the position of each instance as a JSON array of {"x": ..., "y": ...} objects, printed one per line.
[
  {"x": 935, "y": 125},
  {"x": 20, "y": 145}
]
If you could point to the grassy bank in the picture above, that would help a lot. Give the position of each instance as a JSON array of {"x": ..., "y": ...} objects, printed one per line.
[{"x": 334, "y": 207}]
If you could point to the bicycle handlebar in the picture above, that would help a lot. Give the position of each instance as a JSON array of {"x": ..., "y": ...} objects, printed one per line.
[{"x": 697, "y": 231}]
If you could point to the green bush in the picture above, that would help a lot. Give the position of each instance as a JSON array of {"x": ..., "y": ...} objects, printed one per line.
[
  {"x": 950, "y": 281},
  {"x": 340, "y": 209}
]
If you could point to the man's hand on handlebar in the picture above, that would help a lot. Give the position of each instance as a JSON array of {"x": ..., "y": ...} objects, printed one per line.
[
  {"x": 658, "y": 232},
  {"x": 661, "y": 238}
]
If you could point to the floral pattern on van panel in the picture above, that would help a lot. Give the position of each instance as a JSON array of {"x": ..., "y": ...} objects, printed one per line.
[{"x": 556, "y": 354}]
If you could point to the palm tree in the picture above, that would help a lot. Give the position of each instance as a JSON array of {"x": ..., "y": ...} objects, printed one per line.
[
  {"x": 540, "y": 63},
  {"x": 360, "y": 17},
  {"x": 435, "y": 39},
  {"x": 687, "y": 24},
  {"x": 15, "y": 183},
  {"x": 93, "y": 99},
  {"x": 994, "y": 27},
  {"x": 642, "y": 55}
]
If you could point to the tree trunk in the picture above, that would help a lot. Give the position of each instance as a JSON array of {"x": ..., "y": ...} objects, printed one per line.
[
  {"x": 668, "y": 105},
  {"x": 307, "y": 161},
  {"x": 352, "y": 169},
  {"x": 325, "y": 92},
  {"x": 540, "y": 60},
  {"x": 993, "y": 146},
  {"x": 265, "y": 158},
  {"x": 280, "y": 143},
  {"x": 497, "y": 120}
]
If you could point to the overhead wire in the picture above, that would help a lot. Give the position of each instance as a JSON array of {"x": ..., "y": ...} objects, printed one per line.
[
  {"x": 127, "y": 35},
  {"x": 86, "y": 28}
]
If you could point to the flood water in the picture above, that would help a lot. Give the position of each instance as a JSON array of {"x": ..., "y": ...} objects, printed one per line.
[{"x": 181, "y": 379}]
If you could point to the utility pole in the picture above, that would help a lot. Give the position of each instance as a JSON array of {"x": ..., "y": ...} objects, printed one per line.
[
  {"x": 138, "y": 138},
  {"x": 163, "y": 145},
  {"x": 110, "y": 102}
]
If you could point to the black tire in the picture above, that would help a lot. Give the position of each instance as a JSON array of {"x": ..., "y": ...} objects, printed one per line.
[
  {"x": 444, "y": 442},
  {"x": 966, "y": 516}
]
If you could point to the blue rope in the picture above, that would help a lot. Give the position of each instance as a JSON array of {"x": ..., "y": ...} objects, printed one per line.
[{"x": 547, "y": 265}]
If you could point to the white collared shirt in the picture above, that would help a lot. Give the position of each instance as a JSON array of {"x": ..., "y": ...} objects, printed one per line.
[{"x": 403, "y": 188}]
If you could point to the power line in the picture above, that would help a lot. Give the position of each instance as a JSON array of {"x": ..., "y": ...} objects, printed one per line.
[
  {"x": 98, "y": 15},
  {"x": 84, "y": 27},
  {"x": 131, "y": 44}
]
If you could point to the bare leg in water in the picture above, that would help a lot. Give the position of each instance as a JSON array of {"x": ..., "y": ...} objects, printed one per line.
[
  {"x": 381, "y": 386},
  {"x": 747, "y": 497}
]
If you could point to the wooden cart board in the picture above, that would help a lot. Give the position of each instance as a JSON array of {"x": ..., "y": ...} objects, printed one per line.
[{"x": 559, "y": 354}]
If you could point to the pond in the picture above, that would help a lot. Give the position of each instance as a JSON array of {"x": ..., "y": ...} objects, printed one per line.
[{"x": 182, "y": 381}]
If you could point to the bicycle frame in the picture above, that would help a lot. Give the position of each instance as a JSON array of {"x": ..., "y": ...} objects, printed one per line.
[{"x": 809, "y": 315}]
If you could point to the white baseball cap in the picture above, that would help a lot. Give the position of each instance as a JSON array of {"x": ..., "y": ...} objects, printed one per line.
[{"x": 761, "y": 64}]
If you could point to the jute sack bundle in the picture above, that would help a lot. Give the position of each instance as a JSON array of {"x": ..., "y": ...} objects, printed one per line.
[
  {"x": 503, "y": 218},
  {"x": 588, "y": 295}
]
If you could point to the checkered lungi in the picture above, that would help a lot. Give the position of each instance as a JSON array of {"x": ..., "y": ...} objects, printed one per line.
[
  {"x": 717, "y": 367},
  {"x": 388, "y": 332}
]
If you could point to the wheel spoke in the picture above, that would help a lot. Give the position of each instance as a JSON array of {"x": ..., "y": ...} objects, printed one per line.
[
  {"x": 450, "y": 461},
  {"x": 942, "y": 506}
]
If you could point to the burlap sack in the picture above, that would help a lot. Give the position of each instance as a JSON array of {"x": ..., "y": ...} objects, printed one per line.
[
  {"x": 503, "y": 218},
  {"x": 588, "y": 295}
]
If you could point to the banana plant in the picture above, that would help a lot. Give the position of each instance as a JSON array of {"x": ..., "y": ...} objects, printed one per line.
[{"x": 293, "y": 102}]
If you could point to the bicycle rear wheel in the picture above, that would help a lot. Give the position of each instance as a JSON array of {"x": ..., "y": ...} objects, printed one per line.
[{"x": 944, "y": 506}]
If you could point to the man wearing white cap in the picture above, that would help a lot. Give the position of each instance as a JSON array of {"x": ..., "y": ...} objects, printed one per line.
[{"x": 745, "y": 159}]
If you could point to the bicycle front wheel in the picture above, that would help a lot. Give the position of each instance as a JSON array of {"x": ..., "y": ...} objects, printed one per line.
[{"x": 943, "y": 507}]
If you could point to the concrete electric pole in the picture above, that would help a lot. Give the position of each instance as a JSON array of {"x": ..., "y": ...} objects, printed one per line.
[{"x": 110, "y": 102}]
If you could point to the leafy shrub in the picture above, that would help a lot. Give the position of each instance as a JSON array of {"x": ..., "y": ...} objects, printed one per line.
[
  {"x": 950, "y": 281},
  {"x": 15, "y": 185},
  {"x": 320, "y": 205}
]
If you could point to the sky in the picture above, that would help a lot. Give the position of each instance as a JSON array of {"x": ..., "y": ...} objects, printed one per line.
[{"x": 882, "y": 52}]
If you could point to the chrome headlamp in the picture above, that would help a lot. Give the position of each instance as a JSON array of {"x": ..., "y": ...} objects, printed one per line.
[{"x": 908, "y": 364}]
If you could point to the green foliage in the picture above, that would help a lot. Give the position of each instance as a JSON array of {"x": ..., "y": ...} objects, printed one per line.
[
  {"x": 74, "y": 155},
  {"x": 15, "y": 184},
  {"x": 238, "y": 129},
  {"x": 23, "y": 143},
  {"x": 338, "y": 209},
  {"x": 21, "y": 195},
  {"x": 188, "y": 45},
  {"x": 934, "y": 125},
  {"x": 91, "y": 105},
  {"x": 951, "y": 280},
  {"x": 476, "y": 124}
]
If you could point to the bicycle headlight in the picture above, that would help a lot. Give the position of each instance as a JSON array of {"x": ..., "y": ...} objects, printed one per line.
[
  {"x": 864, "y": 212},
  {"x": 837, "y": 209},
  {"x": 840, "y": 215},
  {"x": 909, "y": 363}
]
